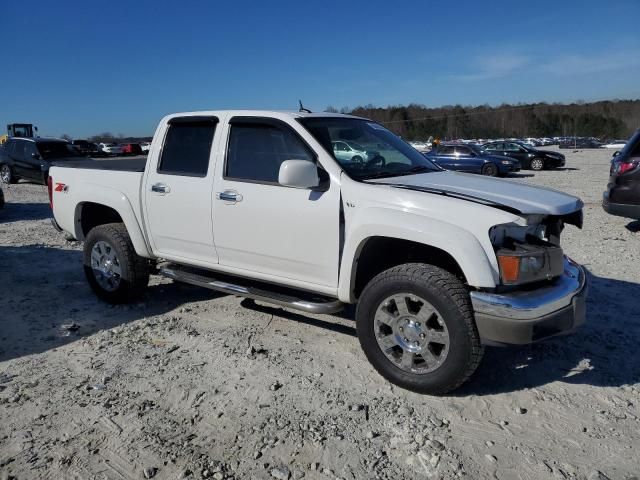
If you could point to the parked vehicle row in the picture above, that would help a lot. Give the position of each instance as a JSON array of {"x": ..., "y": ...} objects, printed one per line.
[{"x": 472, "y": 159}]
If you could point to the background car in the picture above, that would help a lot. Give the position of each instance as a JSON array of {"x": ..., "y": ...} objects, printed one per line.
[
  {"x": 580, "y": 142},
  {"x": 86, "y": 148},
  {"x": 622, "y": 197},
  {"x": 617, "y": 144},
  {"x": 530, "y": 158},
  {"x": 131, "y": 149},
  {"x": 352, "y": 152},
  {"x": 145, "y": 146},
  {"x": 110, "y": 148},
  {"x": 471, "y": 159},
  {"x": 31, "y": 158}
]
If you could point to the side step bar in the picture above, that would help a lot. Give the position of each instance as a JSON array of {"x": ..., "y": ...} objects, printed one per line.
[{"x": 284, "y": 297}]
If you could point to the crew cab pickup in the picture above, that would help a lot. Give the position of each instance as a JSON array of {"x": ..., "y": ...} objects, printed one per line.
[{"x": 257, "y": 204}]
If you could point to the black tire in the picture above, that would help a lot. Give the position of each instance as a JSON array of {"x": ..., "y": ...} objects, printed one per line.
[
  {"x": 490, "y": 170},
  {"x": 356, "y": 159},
  {"x": 537, "y": 164},
  {"x": 451, "y": 300},
  {"x": 7, "y": 175},
  {"x": 134, "y": 276}
]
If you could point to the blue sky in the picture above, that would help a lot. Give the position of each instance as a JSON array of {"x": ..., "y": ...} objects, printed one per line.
[{"x": 85, "y": 67}]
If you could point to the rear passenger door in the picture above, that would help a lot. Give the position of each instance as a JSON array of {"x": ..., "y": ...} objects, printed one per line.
[
  {"x": 264, "y": 229},
  {"x": 20, "y": 155},
  {"x": 178, "y": 191}
]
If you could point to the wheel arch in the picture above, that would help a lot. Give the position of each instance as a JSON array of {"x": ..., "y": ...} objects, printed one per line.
[
  {"x": 367, "y": 253},
  {"x": 90, "y": 214}
]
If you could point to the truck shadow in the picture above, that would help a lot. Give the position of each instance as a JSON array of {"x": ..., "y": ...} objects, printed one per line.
[
  {"x": 14, "y": 212},
  {"x": 603, "y": 352},
  {"x": 43, "y": 289}
]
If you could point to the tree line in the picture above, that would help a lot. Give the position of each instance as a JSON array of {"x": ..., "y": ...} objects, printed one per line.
[{"x": 603, "y": 119}]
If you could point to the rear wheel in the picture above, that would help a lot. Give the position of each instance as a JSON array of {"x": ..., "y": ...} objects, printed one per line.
[
  {"x": 537, "y": 164},
  {"x": 6, "y": 174},
  {"x": 416, "y": 327},
  {"x": 113, "y": 269},
  {"x": 490, "y": 169}
]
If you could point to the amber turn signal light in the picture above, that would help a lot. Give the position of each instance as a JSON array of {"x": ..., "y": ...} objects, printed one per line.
[{"x": 509, "y": 268}]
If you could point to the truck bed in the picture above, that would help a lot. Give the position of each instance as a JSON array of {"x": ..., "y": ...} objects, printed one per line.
[{"x": 112, "y": 164}]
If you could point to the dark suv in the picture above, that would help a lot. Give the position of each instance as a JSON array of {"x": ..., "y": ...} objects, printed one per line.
[
  {"x": 30, "y": 158},
  {"x": 622, "y": 197},
  {"x": 530, "y": 158}
]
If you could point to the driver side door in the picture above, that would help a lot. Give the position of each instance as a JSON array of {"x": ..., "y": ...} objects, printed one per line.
[{"x": 289, "y": 235}]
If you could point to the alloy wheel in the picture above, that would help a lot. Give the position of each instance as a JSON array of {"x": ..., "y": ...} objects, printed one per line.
[
  {"x": 106, "y": 266},
  {"x": 5, "y": 173},
  {"x": 411, "y": 333}
]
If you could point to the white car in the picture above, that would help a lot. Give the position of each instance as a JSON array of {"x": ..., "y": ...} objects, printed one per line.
[
  {"x": 618, "y": 144},
  {"x": 145, "y": 147},
  {"x": 110, "y": 148},
  {"x": 257, "y": 204},
  {"x": 352, "y": 152}
]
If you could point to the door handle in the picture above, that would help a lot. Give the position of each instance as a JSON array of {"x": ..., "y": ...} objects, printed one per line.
[
  {"x": 160, "y": 188},
  {"x": 229, "y": 196}
]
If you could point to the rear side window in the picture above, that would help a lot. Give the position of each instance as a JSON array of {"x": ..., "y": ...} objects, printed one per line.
[
  {"x": 256, "y": 151},
  {"x": 187, "y": 147},
  {"x": 445, "y": 150},
  {"x": 18, "y": 151}
]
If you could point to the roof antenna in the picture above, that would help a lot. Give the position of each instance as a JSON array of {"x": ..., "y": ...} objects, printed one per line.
[{"x": 302, "y": 109}]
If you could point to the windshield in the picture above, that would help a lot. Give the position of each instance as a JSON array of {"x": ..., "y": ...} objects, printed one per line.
[
  {"x": 379, "y": 153},
  {"x": 49, "y": 150}
]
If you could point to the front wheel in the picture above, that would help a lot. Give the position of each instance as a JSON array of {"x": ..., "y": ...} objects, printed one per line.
[
  {"x": 416, "y": 327},
  {"x": 113, "y": 269},
  {"x": 537, "y": 164},
  {"x": 6, "y": 174},
  {"x": 490, "y": 170}
]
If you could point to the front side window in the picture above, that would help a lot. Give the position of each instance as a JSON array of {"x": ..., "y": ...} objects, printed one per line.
[
  {"x": 380, "y": 153},
  {"x": 512, "y": 147},
  {"x": 256, "y": 150},
  {"x": 187, "y": 147}
]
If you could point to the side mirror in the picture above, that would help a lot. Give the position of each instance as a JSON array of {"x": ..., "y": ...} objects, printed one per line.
[
  {"x": 298, "y": 174},
  {"x": 35, "y": 156},
  {"x": 616, "y": 153}
]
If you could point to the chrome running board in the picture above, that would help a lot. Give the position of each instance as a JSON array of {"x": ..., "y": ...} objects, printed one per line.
[{"x": 284, "y": 297}]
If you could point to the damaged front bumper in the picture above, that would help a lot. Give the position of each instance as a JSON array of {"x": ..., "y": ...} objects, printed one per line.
[{"x": 528, "y": 316}]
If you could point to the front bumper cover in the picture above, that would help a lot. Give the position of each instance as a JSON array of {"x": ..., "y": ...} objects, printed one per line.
[{"x": 529, "y": 316}]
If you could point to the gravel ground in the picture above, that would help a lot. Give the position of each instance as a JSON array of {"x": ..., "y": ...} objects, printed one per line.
[{"x": 192, "y": 384}]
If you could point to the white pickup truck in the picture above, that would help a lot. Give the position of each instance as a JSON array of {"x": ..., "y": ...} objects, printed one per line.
[{"x": 256, "y": 204}]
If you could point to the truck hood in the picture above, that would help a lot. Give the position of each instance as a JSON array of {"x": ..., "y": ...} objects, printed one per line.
[{"x": 520, "y": 197}]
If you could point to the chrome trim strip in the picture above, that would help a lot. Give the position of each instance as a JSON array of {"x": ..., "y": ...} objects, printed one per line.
[
  {"x": 332, "y": 306},
  {"x": 527, "y": 305}
]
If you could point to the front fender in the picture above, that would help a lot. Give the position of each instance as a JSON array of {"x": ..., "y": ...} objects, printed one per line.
[
  {"x": 118, "y": 201},
  {"x": 479, "y": 269}
]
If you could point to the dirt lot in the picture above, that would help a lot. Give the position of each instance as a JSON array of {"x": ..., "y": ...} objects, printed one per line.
[{"x": 191, "y": 384}]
